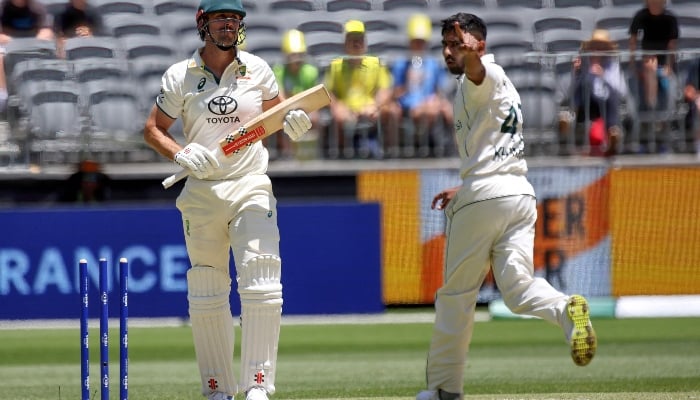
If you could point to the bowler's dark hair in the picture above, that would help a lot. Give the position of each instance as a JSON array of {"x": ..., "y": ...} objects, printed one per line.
[{"x": 467, "y": 22}]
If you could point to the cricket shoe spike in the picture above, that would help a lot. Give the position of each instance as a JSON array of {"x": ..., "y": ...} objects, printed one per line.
[
  {"x": 256, "y": 393},
  {"x": 583, "y": 340},
  {"x": 219, "y": 396}
]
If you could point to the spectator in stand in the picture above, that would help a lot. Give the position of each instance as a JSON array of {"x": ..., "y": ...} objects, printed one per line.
[
  {"x": 691, "y": 95},
  {"x": 88, "y": 184},
  {"x": 295, "y": 75},
  {"x": 418, "y": 80},
  {"x": 658, "y": 29},
  {"x": 78, "y": 19},
  {"x": 360, "y": 86},
  {"x": 20, "y": 18},
  {"x": 599, "y": 86}
]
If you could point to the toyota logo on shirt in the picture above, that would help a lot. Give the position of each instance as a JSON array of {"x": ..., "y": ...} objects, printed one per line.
[{"x": 222, "y": 105}]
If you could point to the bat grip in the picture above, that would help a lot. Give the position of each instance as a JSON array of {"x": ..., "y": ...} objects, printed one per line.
[{"x": 173, "y": 179}]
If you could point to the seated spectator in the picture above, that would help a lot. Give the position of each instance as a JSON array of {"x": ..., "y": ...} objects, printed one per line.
[
  {"x": 295, "y": 75},
  {"x": 88, "y": 184},
  {"x": 418, "y": 80},
  {"x": 360, "y": 86},
  {"x": 691, "y": 95},
  {"x": 78, "y": 19},
  {"x": 20, "y": 18},
  {"x": 599, "y": 87},
  {"x": 658, "y": 28}
]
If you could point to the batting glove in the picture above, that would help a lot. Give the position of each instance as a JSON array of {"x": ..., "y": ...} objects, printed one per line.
[
  {"x": 296, "y": 124},
  {"x": 198, "y": 159}
]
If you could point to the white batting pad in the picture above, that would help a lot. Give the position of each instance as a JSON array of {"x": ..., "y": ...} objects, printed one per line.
[
  {"x": 212, "y": 328},
  {"x": 261, "y": 312}
]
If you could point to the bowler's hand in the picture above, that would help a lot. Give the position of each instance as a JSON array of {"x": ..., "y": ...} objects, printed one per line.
[
  {"x": 443, "y": 198},
  {"x": 296, "y": 124},
  {"x": 198, "y": 159},
  {"x": 469, "y": 42}
]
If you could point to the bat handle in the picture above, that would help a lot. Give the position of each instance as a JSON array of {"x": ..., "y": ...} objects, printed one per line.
[{"x": 173, "y": 179}]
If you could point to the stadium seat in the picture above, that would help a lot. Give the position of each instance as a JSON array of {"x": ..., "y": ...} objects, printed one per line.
[
  {"x": 563, "y": 40},
  {"x": 418, "y": 5},
  {"x": 91, "y": 47},
  {"x": 147, "y": 72},
  {"x": 105, "y": 7},
  {"x": 377, "y": 23},
  {"x": 266, "y": 45},
  {"x": 686, "y": 18},
  {"x": 463, "y": 4},
  {"x": 29, "y": 76},
  {"x": 119, "y": 25},
  {"x": 689, "y": 38},
  {"x": 324, "y": 46},
  {"x": 614, "y": 18},
  {"x": 320, "y": 22},
  {"x": 387, "y": 45},
  {"x": 19, "y": 49},
  {"x": 508, "y": 47},
  {"x": 579, "y": 3},
  {"x": 54, "y": 7},
  {"x": 162, "y": 7},
  {"x": 88, "y": 70},
  {"x": 136, "y": 46},
  {"x": 341, "y": 5},
  {"x": 515, "y": 22},
  {"x": 575, "y": 18},
  {"x": 179, "y": 22},
  {"x": 114, "y": 111},
  {"x": 630, "y": 4},
  {"x": 255, "y": 23},
  {"x": 54, "y": 111},
  {"x": 187, "y": 44},
  {"x": 295, "y": 5},
  {"x": 520, "y": 3}
]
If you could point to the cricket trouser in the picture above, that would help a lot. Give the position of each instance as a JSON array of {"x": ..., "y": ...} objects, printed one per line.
[
  {"x": 241, "y": 215},
  {"x": 497, "y": 233}
]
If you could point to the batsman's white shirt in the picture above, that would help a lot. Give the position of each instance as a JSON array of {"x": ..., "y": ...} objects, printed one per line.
[
  {"x": 211, "y": 110},
  {"x": 488, "y": 125}
]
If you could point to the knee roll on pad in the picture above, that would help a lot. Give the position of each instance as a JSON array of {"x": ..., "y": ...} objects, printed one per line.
[
  {"x": 259, "y": 280},
  {"x": 207, "y": 288}
]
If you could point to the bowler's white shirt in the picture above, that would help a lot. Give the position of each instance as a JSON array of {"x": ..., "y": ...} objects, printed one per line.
[
  {"x": 211, "y": 110},
  {"x": 489, "y": 130}
]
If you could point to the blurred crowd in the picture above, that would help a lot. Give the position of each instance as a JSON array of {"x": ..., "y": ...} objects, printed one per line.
[{"x": 77, "y": 75}]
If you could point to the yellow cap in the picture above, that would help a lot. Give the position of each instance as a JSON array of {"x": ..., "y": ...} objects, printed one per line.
[
  {"x": 293, "y": 42},
  {"x": 419, "y": 27},
  {"x": 354, "y": 26}
]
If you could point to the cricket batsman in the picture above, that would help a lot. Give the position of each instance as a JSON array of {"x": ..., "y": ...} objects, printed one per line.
[{"x": 227, "y": 203}]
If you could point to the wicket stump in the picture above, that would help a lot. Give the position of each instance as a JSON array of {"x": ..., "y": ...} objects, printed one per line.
[{"x": 104, "y": 329}]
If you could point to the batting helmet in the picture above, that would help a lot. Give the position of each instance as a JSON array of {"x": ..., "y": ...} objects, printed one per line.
[{"x": 211, "y": 6}]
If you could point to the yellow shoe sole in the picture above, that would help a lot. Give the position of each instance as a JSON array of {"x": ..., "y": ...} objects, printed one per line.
[{"x": 583, "y": 338}]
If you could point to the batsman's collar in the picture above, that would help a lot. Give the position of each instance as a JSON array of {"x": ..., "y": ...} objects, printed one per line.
[{"x": 234, "y": 6}]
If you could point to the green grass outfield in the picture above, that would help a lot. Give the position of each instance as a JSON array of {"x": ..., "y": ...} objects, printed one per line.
[{"x": 510, "y": 359}]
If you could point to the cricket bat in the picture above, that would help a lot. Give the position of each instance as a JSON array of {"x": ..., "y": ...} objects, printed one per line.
[{"x": 265, "y": 124}]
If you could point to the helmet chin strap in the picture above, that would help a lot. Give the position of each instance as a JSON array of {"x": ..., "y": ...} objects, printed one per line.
[{"x": 220, "y": 45}]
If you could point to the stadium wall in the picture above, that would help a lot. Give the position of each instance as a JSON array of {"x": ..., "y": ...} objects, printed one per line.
[
  {"x": 324, "y": 273},
  {"x": 602, "y": 231}
]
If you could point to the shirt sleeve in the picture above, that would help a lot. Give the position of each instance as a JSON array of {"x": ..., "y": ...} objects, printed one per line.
[
  {"x": 170, "y": 100},
  {"x": 268, "y": 83},
  {"x": 480, "y": 94}
]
